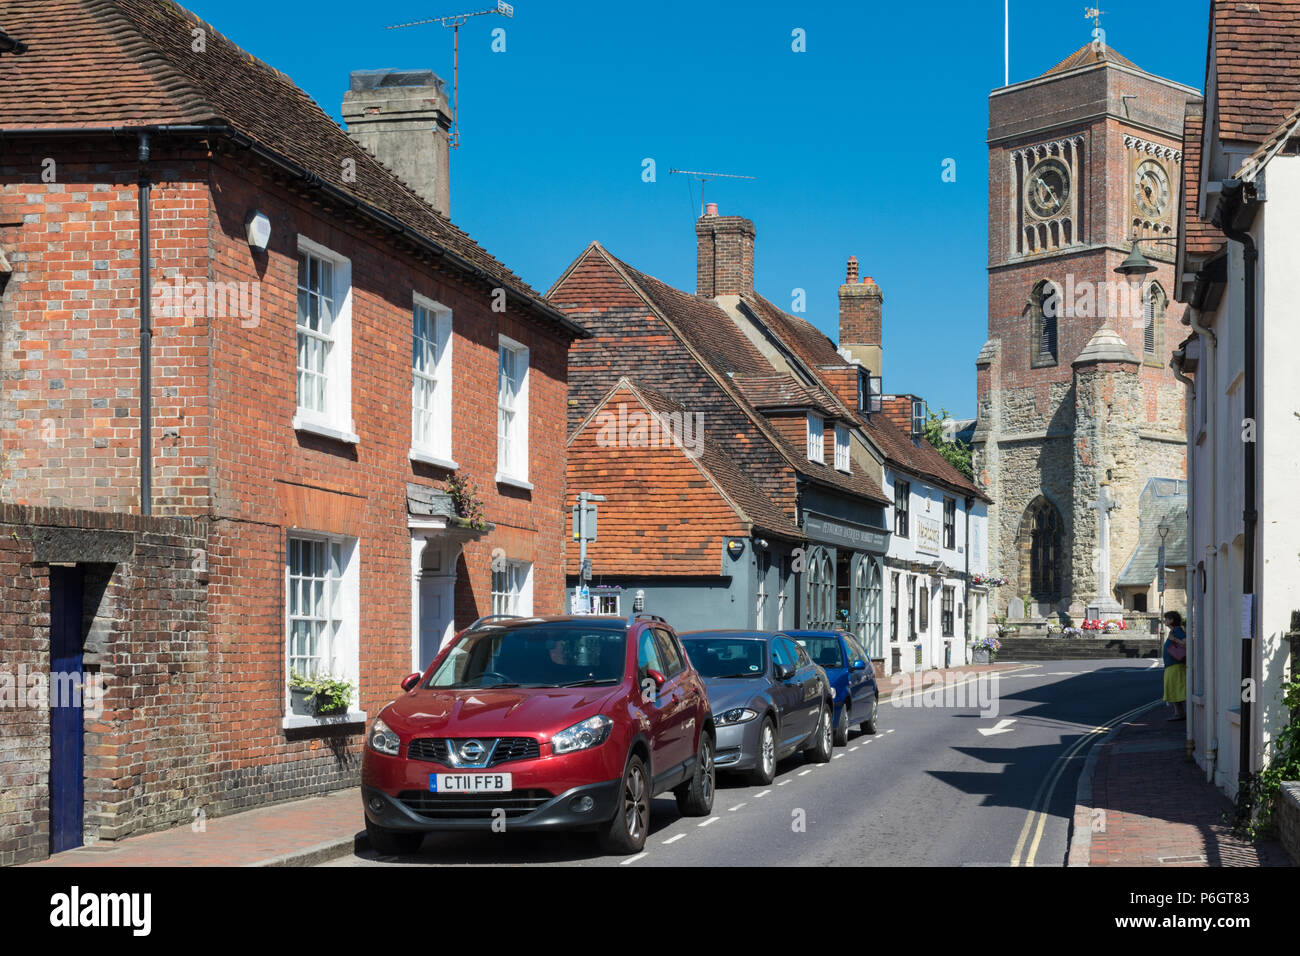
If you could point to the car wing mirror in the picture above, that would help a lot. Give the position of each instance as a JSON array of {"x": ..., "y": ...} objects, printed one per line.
[
  {"x": 656, "y": 676},
  {"x": 410, "y": 680},
  {"x": 784, "y": 671},
  {"x": 859, "y": 665}
]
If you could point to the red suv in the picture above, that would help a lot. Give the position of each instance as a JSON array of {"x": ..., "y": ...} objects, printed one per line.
[{"x": 541, "y": 723}]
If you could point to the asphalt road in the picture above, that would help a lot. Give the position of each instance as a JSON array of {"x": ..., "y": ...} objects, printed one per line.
[{"x": 981, "y": 773}]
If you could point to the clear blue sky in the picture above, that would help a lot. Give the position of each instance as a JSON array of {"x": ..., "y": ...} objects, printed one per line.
[{"x": 846, "y": 140}]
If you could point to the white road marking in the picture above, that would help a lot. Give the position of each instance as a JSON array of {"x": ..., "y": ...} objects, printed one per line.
[
  {"x": 804, "y": 773},
  {"x": 632, "y": 859},
  {"x": 674, "y": 839},
  {"x": 1001, "y": 727},
  {"x": 854, "y": 748},
  {"x": 708, "y": 821},
  {"x": 783, "y": 783},
  {"x": 837, "y": 756},
  {"x": 890, "y": 730},
  {"x": 735, "y": 808},
  {"x": 763, "y": 794}
]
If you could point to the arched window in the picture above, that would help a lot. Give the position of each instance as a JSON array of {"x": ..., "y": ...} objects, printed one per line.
[
  {"x": 1044, "y": 310},
  {"x": 1041, "y": 552},
  {"x": 1154, "y": 303},
  {"x": 819, "y": 593}
]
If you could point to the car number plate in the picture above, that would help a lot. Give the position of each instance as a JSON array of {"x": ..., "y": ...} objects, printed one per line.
[{"x": 469, "y": 782}]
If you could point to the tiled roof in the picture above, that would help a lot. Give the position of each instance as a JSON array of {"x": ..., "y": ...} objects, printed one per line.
[
  {"x": 712, "y": 335},
  {"x": 754, "y": 505},
  {"x": 1200, "y": 238},
  {"x": 1257, "y": 65},
  {"x": 131, "y": 63},
  {"x": 781, "y": 391},
  {"x": 1276, "y": 141},
  {"x": 1087, "y": 55},
  {"x": 818, "y": 352},
  {"x": 1140, "y": 569}
]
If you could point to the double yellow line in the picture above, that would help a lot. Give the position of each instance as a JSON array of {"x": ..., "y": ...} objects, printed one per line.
[{"x": 1036, "y": 821}]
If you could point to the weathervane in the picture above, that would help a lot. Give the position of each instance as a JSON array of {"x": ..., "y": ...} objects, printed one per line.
[
  {"x": 455, "y": 21},
  {"x": 1098, "y": 34}
]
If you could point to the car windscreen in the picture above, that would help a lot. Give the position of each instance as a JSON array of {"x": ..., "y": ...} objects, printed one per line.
[
  {"x": 727, "y": 656},
  {"x": 825, "y": 651},
  {"x": 540, "y": 655}
]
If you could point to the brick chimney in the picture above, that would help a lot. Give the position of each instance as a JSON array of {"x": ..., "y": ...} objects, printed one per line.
[
  {"x": 861, "y": 305},
  {"x": 402, "y": 117},
  {"x": 724, "y": 263}
]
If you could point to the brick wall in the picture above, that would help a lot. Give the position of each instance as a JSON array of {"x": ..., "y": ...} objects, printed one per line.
[
  {"x": 724, "y": 262},
  {"x": 147, "y": 755}
]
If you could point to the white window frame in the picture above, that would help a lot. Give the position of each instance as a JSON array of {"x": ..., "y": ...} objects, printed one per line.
[
  {"x": 512, "y": 439},
  {"x": 816, "y": 438},
  {"x": 335, "y": 419},
  {"x": 843, "y": 460},
  {"x": 431, "y": 444},
  {"x": 517, "y": 595},
  {"x": 341, "y": 585}
]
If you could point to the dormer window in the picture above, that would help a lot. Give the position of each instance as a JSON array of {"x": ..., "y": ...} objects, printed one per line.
[
  {"x": 918, "y": 419},
  {"x": 816, "y": 438},
  {"x": 842, "y": 448}
]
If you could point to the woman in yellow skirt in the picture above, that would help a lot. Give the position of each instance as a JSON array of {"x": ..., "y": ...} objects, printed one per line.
[{"x": 1175, "y": 655}]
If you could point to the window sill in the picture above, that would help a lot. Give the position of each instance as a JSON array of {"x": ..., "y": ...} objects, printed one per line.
[
  {"x": 345, "y": 435},
  {"x": 426, "y": 458},
  {"x": 514, "y": 482},
  {"x": 299, "y": 721}
]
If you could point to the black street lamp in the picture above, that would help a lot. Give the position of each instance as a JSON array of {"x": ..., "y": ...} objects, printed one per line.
[{"x": 1137, "y": 264}]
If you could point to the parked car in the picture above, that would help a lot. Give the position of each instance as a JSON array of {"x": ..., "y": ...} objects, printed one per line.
[
  {"x": 848, "y": 667},
  {"x": 543, "y": 723},
  {"x": 769, "y": 699}
]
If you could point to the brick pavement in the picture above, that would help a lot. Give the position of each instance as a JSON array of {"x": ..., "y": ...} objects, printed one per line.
[
  {"x": 1157, "y": 809},
  {"x": 300, "y": 832}
]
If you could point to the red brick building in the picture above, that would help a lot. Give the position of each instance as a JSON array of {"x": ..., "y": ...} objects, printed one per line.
[{"x": 238, "y": 462}]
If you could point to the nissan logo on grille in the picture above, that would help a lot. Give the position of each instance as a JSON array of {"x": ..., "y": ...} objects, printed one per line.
[{"x": 472, "y": 751}]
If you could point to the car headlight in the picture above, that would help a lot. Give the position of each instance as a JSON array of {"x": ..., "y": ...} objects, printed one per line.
[
  {"x": 382, "y": 739},
  {"x": 589, "y": 733},
  {"x": 737, "y": 715}
]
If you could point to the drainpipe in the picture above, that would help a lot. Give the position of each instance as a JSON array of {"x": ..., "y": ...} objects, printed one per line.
[
  {"x": 1232, "y": 202},
  {"x": 146, "y": 338}
]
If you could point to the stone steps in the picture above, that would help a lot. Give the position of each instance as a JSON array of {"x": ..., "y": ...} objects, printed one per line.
[{"x": 1021, "y": 648}]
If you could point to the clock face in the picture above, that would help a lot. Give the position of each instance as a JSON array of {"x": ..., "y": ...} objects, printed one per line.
[
  {"x": 1151, "y": 189},
  {"x": 1047, "y": 189}
]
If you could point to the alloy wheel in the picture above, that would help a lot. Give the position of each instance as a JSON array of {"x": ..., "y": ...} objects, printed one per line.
[
  {"x": 636, "y": 810},
  {"x": 767, "y": 748}
]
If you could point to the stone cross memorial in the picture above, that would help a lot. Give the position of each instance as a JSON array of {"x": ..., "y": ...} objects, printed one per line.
[{"x": 1105, "y": 607}]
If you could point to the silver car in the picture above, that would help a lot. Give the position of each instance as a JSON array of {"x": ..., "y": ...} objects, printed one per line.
[{"x": 768, "y": 699}]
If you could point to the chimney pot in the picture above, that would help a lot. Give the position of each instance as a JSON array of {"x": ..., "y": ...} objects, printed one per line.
[
  {"x": 711, "y": 209},
  {"x": 851, "y": 275}
]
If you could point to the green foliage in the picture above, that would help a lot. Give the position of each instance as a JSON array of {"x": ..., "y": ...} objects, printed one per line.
[
  {"x": 464, "y": 495},
  {"x": 958, "y": 453},
  {"x": 332, "y": 695},
  {"x": 1264, "y": 786}
]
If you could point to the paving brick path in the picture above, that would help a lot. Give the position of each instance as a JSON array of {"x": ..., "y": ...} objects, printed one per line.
[{"x": 1158, "y": 808}]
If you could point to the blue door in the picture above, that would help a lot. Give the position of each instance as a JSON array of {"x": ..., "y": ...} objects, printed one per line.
[{"x": 66, "y": 727}]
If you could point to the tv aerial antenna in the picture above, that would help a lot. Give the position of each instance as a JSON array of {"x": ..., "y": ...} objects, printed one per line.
[
  {"x": 704, "y": 178},
  {"x": 454, "y": 22}
]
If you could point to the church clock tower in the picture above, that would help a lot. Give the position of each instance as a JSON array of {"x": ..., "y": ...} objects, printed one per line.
[{"x": 1075, "y": 392}]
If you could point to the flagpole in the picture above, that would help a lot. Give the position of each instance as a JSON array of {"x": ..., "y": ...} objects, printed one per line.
[{"x": 1006, "y": 42}]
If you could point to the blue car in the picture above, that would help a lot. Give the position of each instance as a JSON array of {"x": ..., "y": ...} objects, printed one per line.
[{"x": 848, "y": 667}]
